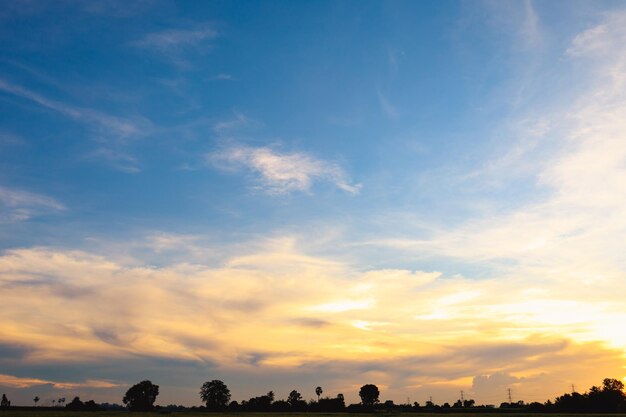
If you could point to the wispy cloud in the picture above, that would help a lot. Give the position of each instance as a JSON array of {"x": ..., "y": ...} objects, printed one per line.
[
  {"x": 10, "y": 139},
  {"x": 111, "y": 131},
  {"x": 239, "y": 120},
  {"x": 118, "y": 127},
  {"x": 116, "y": 159},
  {"x": 170, "y": 39},
  {"x": 387, "y": 107},
  {"x": 571, "y": 229},
  {"x": 174, "y": 44},
  {"x": 281, "y": 173},
  {"x": 22, "y": 382},
  {"x": 223, "y": 77},
  {"x": 531, "y": 30},
  {"x": 19, "y": 205}
]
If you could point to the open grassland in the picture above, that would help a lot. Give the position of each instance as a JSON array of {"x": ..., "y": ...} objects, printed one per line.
[{"x": 62, "y": 413}]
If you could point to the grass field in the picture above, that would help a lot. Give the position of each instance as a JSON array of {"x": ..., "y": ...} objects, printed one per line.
[{"x": 60, "y": 413}]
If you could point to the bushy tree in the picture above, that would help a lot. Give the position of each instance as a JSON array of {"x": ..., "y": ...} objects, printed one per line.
[
  {"x": 296, "y": 403},
  {"x": 609, "y": 398},
  {"x": 262, "y": 403},
  {"x": 215, "y": 394},
  {"x": 294, "y": 397},
  {"x": 75, "y": 404},
  {"x": 141, "y": 396},
  {"x": 5, "y": 402},
  {"x": 369, "y": 394}
]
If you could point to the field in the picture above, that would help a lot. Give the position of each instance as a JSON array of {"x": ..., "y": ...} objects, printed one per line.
[{"x": 46, "y": 413}]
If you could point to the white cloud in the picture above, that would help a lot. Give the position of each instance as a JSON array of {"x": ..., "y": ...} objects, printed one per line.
[
  {"x": 281, "y": 173},
  {"x": 175, "y": 44},
  {"x": 604, "y": 39},
  {"x": 531, "y": 28},
  {"x": 387, "y": 107},
  {"x": 116, "y": 159},
  {"x": 111, "y": 131},
  {"x": 19, "y": 205},
  {"x": 572, "y": 227},
  {"x": 168, "y": 40},
  {"x": 223, "y": 77},
  {"x": 238, "y": 121},
  {"x": 108, "y": 125}
]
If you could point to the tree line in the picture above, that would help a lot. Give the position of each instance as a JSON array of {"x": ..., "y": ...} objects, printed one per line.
[{"x": 607, "y": 398}]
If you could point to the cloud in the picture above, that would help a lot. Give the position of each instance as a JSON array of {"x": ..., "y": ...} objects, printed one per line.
[
  {"x": 386, "y": 106},
  {"x": 9, "y": 139},
  {"x": 175, "y": 44},
  {"x": 238, "y": 121},
  {"x": 531, "y": 28},
  {"x": 112, "y": 132},
  {"x": 20, "y": 205},
  {"x": 21, "y": 382},
  {"x": 288, "y": 313},
  {"x": 223, "y": 77},
  {"x": 602, "y": 39},
  {"x": 116, "y": 159},
  {"x": 281, "y": 173},
  {"x": 168, "y": 40},
  {"x": 571, "y": 225},
  {"x": 118, "y": 127}
]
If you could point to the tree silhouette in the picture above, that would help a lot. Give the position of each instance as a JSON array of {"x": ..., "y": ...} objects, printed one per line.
[
  {"x": 5, "y": 403},
  {"x": 294, "y": 397},
  {"x": 36, "y": 400},
  {"x": 75, "y": 404},
  {"x": 369, "y": 395},
  {"x": 469, "y": 403},
  {"x": 262, "y": 403},
  {"x": 295, "y": 401},
  {"x": 141, "y": 396},
  {"x": 319, "y": 392},
  {"x": 215, "y": 394}
]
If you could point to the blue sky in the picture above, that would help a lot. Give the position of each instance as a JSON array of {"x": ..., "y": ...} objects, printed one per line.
[{"x": 452, "y": 151}]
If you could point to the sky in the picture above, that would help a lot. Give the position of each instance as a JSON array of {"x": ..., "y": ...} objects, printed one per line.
[{"x": 427, "y": 196}]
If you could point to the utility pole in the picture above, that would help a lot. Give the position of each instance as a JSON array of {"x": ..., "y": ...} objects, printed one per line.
[
  {"x": 462, "y": 399},
  {"x": 510, "y": 401},
  {"x": 573, "y": 388}
]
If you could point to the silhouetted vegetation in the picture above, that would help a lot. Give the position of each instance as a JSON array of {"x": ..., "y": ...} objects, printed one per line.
[
  {"x": 369, "y": 394},
  {"x": 77, "y": 405},
  {"x": 607, "y": 398},
  {"x": 141, "y": 396},
  {"x": 215, "y": 394},
  {"x": 318, "y": 392}
]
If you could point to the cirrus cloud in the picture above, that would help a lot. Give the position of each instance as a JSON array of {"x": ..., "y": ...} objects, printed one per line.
[{"x": 282, "y": 173}]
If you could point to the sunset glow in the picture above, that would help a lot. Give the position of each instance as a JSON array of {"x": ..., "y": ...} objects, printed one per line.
[{"x": 426, "y": 196}]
